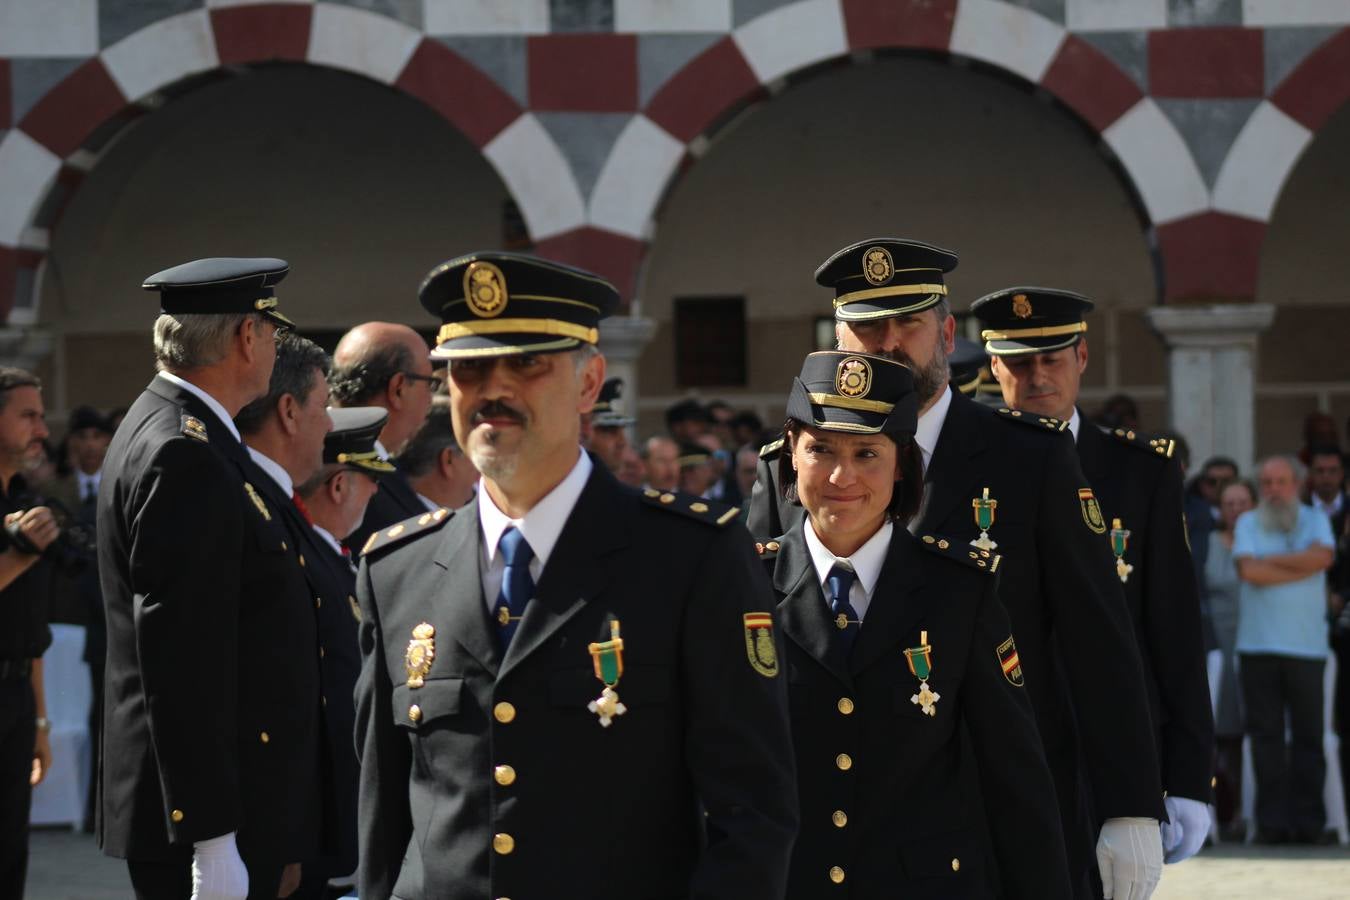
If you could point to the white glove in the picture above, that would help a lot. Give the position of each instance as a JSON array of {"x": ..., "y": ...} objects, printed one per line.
[
  {"x": 1185, "y": 834},
  {"x": 1129, "y": 856},
  {"x": 218, "y": 871}
]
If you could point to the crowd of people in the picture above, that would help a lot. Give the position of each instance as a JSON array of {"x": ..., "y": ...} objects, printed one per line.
[{"x": 427, "y": 622}]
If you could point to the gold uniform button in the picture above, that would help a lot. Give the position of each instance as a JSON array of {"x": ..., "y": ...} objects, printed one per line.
[
  {"x": 302, "y": 559},
  {"x": 505, "y": 775},
  {"x": 324, "y": 700},
  {"x": 836, "y": 875},
  {"x": 845, "y": 705},
  {"x": 504, "y": 712},
  {"x": 844, "y": 761},
  {"x": 176, "y": 815},
  {"x": 956, "y": 865},
  {"x": 264, "y": 737},
  {"x": 321, "y": 653},
  {"x": 414, "y": 713},
  {"x": 503, "y": 843},
  {"x": 839, "y": 818},
  {"x": 318, "y": 601},
  {"x": 283, "y": 545}
]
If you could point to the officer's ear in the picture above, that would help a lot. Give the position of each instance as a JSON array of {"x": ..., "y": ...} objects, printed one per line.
[
  {"x": 1081, "y": 353},
  {"x": 288, "y": 413},
  {"x": 592, "y": 377}
]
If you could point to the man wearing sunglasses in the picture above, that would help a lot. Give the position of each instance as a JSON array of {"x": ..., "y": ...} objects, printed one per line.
[{"x": 386, "y": 365}]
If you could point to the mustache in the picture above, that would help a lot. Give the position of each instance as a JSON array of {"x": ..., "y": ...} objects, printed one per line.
[{"x": 496, "y": 409}]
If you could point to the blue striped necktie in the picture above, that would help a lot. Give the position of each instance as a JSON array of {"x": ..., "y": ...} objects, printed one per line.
[{"x": 517, "y": 585}]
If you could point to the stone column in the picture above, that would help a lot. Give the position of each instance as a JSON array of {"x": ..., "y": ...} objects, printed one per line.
[
  {"x": 1211, "y": 377},
  {"x": 622, "y": 340}
]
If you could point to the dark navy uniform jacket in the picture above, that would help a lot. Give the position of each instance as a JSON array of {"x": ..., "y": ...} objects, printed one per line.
[
  {"x": 212, "y": 714},
  {"x": 493, "y": 779},
  {"x": 882, "y": 808}
]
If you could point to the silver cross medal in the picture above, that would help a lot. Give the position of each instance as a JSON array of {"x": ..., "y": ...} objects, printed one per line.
[
  {"x": 925, "y": 699},
  {"x": 607, "y": 706}
]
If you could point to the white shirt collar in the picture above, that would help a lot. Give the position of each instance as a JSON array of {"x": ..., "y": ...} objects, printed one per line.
[
  {"x": 83, "y": 481},
  {"x": 211, "y": 402},
  {"x": 430, "y": 504},
  {"x": 930, "y": 425},
  {"x": 273, "y": 470},
  {"x": 542, "y": 525},
  {"x": 1329, "y": 508},
  {"x": 328, "y": 539},
  {"x": 866, "y": 562},
  {"x": 1074, "y": 422}
]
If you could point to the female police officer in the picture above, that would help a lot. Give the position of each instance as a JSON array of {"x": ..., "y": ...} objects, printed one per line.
[{"x": 894, "y": 640}]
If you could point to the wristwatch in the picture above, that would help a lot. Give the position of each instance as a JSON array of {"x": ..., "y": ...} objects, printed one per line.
[{"x": 43, "y": 723}]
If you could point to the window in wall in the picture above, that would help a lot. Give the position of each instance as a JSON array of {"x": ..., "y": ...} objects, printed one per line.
[{"x": 710, "y": 341}]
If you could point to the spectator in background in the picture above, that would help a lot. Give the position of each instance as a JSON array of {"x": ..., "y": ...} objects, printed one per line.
[
  {"x": 1326, "y": 483},
  {"x": 661, "y": 456},
  {"x": 1221, "y": 587},
  {"x": 747, "y": 428},
  {"x": 723, "y": 478},
  {"x": 747, "y": 462},
  {"x": 720, "y": 417},
  {"x": 604, "y": 429},
  {"x": 696, "y": 471},
  {"x": 1202, "y": 503},
  {"x": 438, "y": 470},
  {"x": 1118, "y": 411},
  {"x": 632, "y": 471},
  {"x": 686, "y": 421},
  {"x": 1283, "y": 550},
  {"x": 1319, "y": 430}
]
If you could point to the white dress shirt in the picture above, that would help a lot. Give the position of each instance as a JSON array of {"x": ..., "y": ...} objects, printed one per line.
[
  {"x": 274, "y": 471},
  {"x": 1074, "y": 423},
  {"x": 541, "y": 527},
  {"x": 211, "y": 402},
  {"x": 87, "y": 485},
  {"x": 930, "y": 426},
  {"x": 1331, "y": 509},
  {"x": 866, "y": 564}
]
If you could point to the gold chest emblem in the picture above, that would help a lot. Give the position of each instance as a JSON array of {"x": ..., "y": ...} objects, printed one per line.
[
  {"x": 421, "y": 652},
  {"x": 877, "y": 265},
  {"x": 853, "y": 378},
  {"x": 485, "y": 289},
  {"x": 1021, "y": 306}
]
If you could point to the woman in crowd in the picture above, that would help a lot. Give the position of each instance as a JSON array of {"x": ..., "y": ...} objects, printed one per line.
[
  {"x": 1221, "y": 591},
  {"x": 895, "y": 644}
]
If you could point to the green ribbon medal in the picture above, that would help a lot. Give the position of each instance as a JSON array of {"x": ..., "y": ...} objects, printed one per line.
[
  {"x": 984, "y": 520},
  {"x": 1120, "y": 540},
  {"x": 608, "y": 659},
  {"x": 920, "y": 661}
]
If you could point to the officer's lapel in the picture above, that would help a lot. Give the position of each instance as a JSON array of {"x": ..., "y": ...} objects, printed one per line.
[
  {"x": 952, "y": 475},
  {"x": 1092, "y": 453},
  {"x": 459, "y": 581},
  {"x": 577, "y": 569},
  {"x": 898, "y": 602},
  {"x": 802, "y": 613}
]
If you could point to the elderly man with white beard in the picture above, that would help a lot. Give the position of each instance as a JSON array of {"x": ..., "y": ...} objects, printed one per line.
[{"x": 1283, "y": 549}]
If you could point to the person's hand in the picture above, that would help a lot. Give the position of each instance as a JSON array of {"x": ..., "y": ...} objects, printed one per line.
[
  {"x": 1184, "y": 835},
  {"x": 1129, "y": 856},
  {"x": 42, "y": 758},
  {"x": 37, "y": 526},
  {"x": 290, "y": 880},
  {"x": 218, "y": 871}
]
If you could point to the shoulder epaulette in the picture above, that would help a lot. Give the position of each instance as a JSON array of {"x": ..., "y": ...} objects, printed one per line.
[
  {"x": 768, "y": 550},
  {"x": 710, "y": 512},
  {"x": 406, "y": 530},
  {"x": 1160, "y": 446},
  {"x": 193, "y": 427},
  {"x": 982, "y": 560},
  {"x": 1049, "y": 423},
  {"x": 770, "y": 450}
]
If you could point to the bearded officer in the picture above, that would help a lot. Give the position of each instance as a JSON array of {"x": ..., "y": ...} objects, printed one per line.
[
  {"x": 546, "y": 707},
  {"x": 1005, "y": 480},
  {"x": 210, "y": 776},
  {"x": 1038, "y": 344}
]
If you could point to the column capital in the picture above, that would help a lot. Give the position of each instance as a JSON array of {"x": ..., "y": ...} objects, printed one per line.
[
  {"x": 623, "y": 338},
  {"x": 1211, "y": 325}
]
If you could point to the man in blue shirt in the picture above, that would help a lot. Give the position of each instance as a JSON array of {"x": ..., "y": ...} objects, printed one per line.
[{"x": 1283, "y": 549}]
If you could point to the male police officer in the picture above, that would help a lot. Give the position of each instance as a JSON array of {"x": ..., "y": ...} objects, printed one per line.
[
  {"x": 211, "y": 723},
  {"x": 1009, "y": 480},
  {"x": 605, "y": 428},
  {"x": 547, "y": 708},
  {"x": 1036, "y": 337}
]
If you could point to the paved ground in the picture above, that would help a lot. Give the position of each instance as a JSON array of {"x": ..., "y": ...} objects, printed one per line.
[{"x": 67, "y": 866}]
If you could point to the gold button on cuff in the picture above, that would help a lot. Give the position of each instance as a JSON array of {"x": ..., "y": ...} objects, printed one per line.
[
  {"x": 956, "y": 865},
  {"x": 176, "y": 815},
  {"x": 503, "y": 843},
  {"x": 836, "y": 875},
  {"x": 264, "y": 737},
  {"x": 839, "y": 818},
  {"x": 845, "y": 705},
  {"x": 414, "y": 713},
  {"x": 844, "y": 761},
  {"x": 504, "y": 774},
  {"x": 504, "y": 712}
]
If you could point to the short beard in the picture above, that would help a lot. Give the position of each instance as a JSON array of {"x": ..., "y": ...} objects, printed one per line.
[
  {"x": 493, "y": 466},
  {"x": 929, "y": 380},
  {"x": 1278, "y": 517}
]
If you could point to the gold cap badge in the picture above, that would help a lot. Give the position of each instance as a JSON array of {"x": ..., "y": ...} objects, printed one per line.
[
  {"x": 485, "y": 289},
  {"x": 1021, "y": 306},
  {"x": 878, "y": 267},
  {"x": 853, "y": 378}
]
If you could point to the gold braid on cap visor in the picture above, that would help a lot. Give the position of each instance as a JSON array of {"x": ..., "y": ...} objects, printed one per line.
[
  {"x": 1050, "y": 331},
  {"x": 899, "y": 290},
  {"x": 518, "y": 326}
]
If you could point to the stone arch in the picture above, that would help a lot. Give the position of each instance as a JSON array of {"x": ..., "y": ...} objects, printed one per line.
[
  {"x": 42, "y": 158},
  {"x": 755, "y": 58}
]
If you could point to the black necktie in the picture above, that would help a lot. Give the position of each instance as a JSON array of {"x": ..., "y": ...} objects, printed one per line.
[
  {"x": 846, "y": 623},
  {"x": 517, "y": 585}
]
